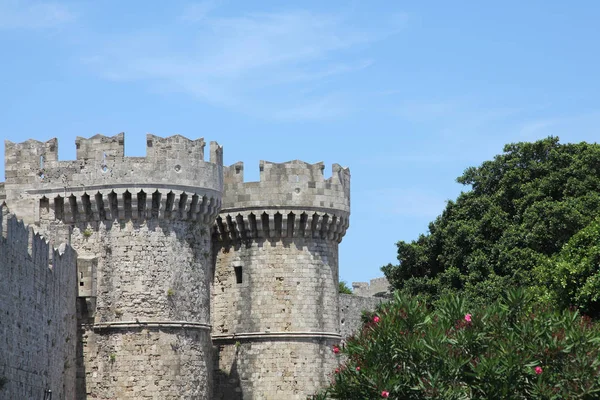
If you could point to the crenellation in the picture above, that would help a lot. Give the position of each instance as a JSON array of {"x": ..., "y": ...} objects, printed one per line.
[
  {"x": 281, "y": 234},
  {"x": 100, "y": 147},
  {"x": 174, "y": 163},
  {"x": 377, "y": 287},
  {"x": 294, "y": 183},
  {"x": 37, "y": 304},
  {"x": 179, "y": 269},
  {"x": 174, "y": 147},
  {"x": 216, "y": 153}
]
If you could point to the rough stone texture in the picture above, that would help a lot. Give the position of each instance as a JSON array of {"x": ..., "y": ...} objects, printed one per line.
[
  {"x": 294, "y": 183},
  {"x": 154, "y": 273},
  {"x": 152, "y": 270},
  {"x": 143, "y": 363},
  {"x": 277, "y": 278},
  {"x": 142, "y": 229},
  {"x": 351, "y": 308},
  {"x": 173, "y": 164},
  {"x": 274, "y": 370},
  {"x": 154, "y": 237},
  {"x": 376, "y": 287},
  {"x": 37, "y": 314}
]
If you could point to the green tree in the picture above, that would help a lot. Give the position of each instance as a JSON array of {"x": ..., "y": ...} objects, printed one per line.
[
  {"x": 343, "y": 288},
  {"x": 572, "y": 276},
  {"x": 523, "y": 207}
]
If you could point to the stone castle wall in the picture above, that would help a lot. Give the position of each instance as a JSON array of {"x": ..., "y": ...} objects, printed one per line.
[
  {"x": 275, "y": 304},
  {"x": 125, "y": 185},
  {"x": 142, "y": 229},
  {"x": 378, "y": 287},
  {"x": 150, "y": 332},
  {"x": 37, "y": 314},
  {"x": 351, "y": 308},
  {"x": 275, "y": 339},
  {"x": 184, "y": 271}
]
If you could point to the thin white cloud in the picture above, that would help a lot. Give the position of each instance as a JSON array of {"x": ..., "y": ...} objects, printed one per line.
[
  {"x": 259, "y": 63},
  {"x": 33, "y": 15}
]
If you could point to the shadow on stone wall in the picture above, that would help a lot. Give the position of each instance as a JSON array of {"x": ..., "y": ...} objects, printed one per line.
[
  {"x": 227, "y": 386},
  {"x": 83, "y": 318}
]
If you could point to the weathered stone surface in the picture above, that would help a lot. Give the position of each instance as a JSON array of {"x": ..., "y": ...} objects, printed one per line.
[
  {"x": 37, "y": 314},
  {"x": 378, "y": 287},
  {"x": 190, "y": 283},
  {"x": 351, "y": 308},
  {"x": 276, "y": 279}
]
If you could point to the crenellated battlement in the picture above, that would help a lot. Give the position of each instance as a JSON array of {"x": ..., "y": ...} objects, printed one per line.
[
  {"x": 38, "y": 292},
  {"x": 173, "y": 179},
  {"x": 290, "y": 184},
  {"x": 22, "y": 240},
  {"x": 100, "y": 147},
  {"x": 292, "y": 199}
]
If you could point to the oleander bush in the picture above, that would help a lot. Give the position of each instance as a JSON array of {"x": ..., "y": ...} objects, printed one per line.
[{"x": 512, "y": 348}]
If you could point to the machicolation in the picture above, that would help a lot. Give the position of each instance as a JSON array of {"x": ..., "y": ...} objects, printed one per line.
[{"x": 179, "y": 281}]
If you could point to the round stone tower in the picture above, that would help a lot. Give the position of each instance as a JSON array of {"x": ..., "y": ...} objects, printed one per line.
[
  {"x": 142, "y": 230},
  {"x": 275, "y": 291}
]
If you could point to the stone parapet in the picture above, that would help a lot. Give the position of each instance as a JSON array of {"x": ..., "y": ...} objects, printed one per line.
[
  {"x": 172, "y": 180},
  {"x": 293, "y": 184},
  {"x": 37, "y": 303}
]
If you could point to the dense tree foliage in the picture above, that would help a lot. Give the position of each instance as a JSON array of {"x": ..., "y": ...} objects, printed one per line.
[
  {"x": 510, "y": 228},
  {"x": 572, "y": 277},
  {"x": 510, "y": 349}
]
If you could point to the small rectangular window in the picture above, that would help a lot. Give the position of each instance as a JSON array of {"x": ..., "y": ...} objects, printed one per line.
[{"x": 238, "y": 274}]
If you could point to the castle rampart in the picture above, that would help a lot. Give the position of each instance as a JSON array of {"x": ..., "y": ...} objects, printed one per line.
[
  {"x": 277, "y": 241},
  {"x": 172, "y": 180},
  {"x": 176, "y": 257},
  {"x": 141, "y": 227},
  {"x": 37, "y": 314}
]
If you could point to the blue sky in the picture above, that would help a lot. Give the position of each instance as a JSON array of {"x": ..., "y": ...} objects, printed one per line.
[{"x": 406, "y": 94}]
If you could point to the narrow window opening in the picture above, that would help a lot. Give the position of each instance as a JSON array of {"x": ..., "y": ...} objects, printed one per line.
[{"x": 238, "y": 274}]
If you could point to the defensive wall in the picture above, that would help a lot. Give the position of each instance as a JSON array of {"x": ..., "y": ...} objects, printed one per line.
[
  {"x": 378, "y": 287},
  {"x": 38, "y": 329},
  {"x": 186, "y": 281},
  {"x": 275, "y": 307},
  {"x": 141, "y": 227}
]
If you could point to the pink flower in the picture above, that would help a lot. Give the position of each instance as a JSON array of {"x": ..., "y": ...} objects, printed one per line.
[
  {"x": 385, "y": 394},
  {"x": 538, "y": 370},
  {"x": 358, "y": 368},
  {"x": 376, "y": 319},
  {"x": 336, "y": 349},
  {"x": 337, "y": 370},
  {"x": 468, "y": 317}
]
